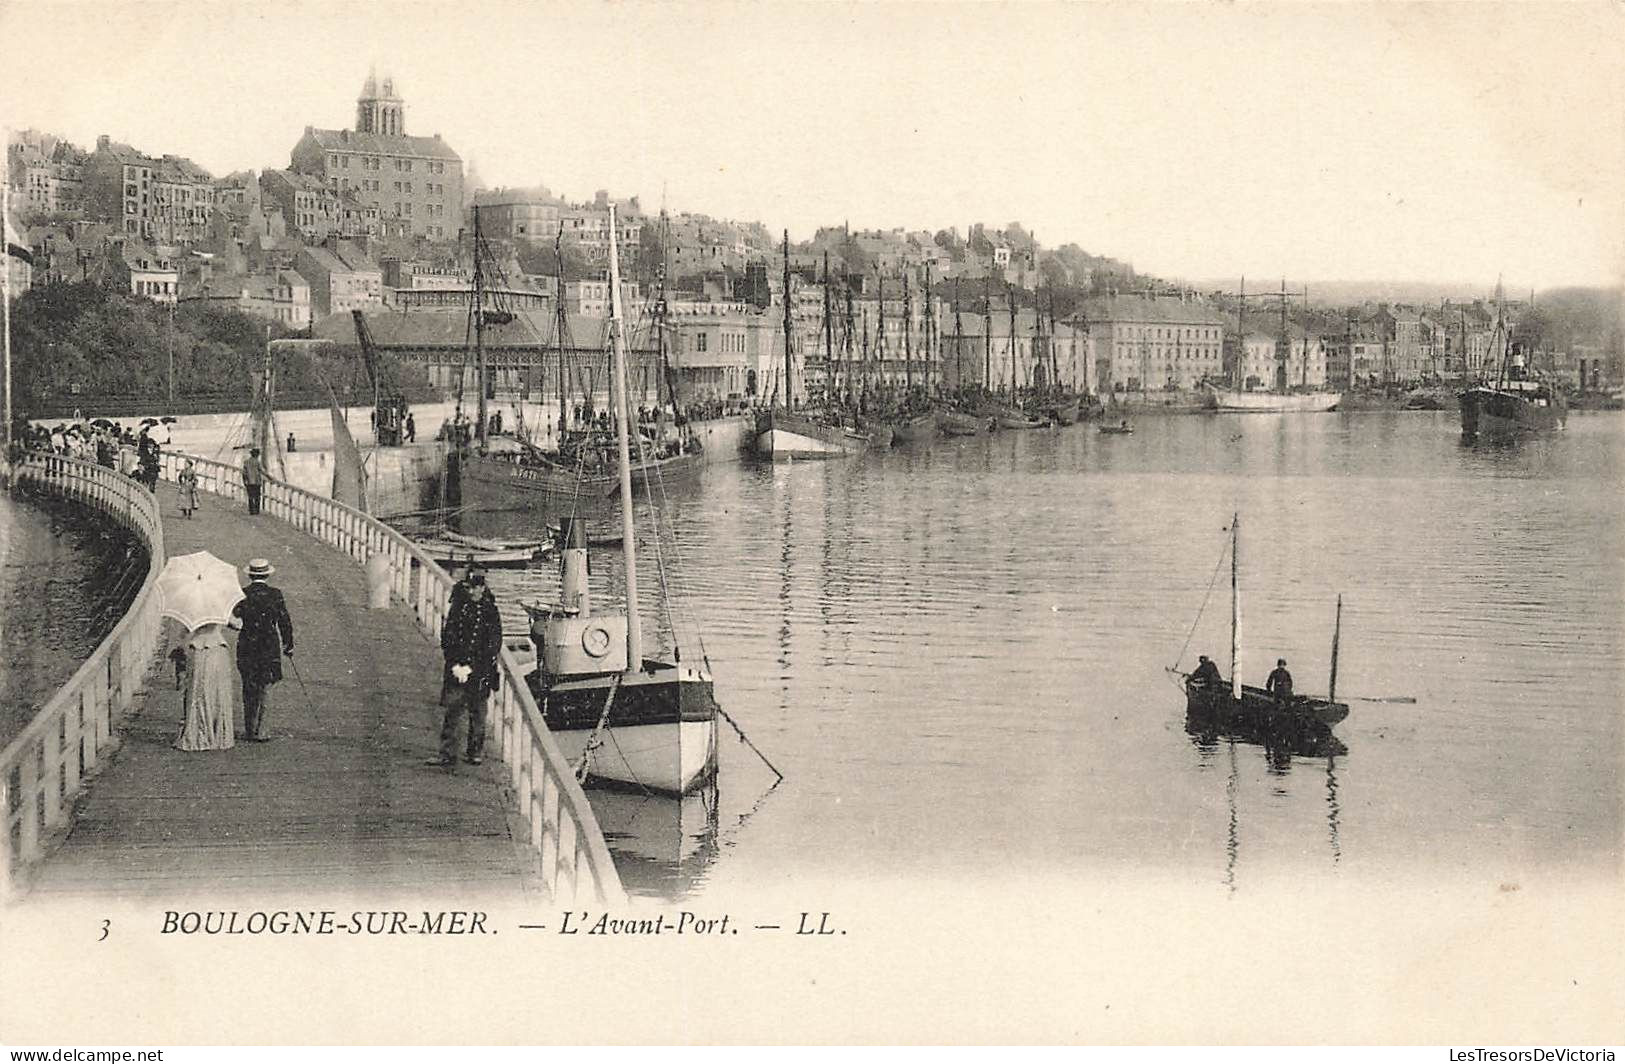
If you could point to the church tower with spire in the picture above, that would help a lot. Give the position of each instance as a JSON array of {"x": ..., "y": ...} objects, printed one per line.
[{"x": 378, "y": 109}]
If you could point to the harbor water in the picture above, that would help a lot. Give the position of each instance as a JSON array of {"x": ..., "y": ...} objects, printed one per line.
[
  {"x": 65, "y": 581},
  {"x": 958, "y": 655}
]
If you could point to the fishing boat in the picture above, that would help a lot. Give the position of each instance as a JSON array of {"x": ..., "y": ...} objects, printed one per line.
[
  {"x": 1516, "y": 402},
  {"x": 500, "y": 474},
  {"x": 784, "y": 433},
  {"x": 960, "y": 423},
  {"x": 622, "y": 718},
  {"x": 1227, "y": 700},
  {"x": 1125, "y": 429}
]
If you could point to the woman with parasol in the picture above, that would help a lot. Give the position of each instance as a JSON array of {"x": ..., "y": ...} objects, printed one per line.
[{"x": 199, "y": 590}]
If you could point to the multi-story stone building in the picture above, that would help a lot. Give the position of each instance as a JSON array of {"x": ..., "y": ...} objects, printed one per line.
[
  {"x": 414, "y": 183},
  {"x": 310, "y": 206},
  {"x": 1153, "y": 343},
  {"x": 528, "y": 214},
  {"x": 586, "y": 228},
  {"x": 46, "y": 174},
  {"x": 165, "y": 200},
  {"x": 341, "y": 278}
]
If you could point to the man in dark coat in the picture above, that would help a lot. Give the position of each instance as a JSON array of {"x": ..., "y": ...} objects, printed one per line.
[
  {"x": 1206, "y": 674},
  {"x": 253, "y": 479},
  {"x": 1280, "y": 682},
  {"x": 471, "y": 641},
  {"x": 267, "y": 634}
]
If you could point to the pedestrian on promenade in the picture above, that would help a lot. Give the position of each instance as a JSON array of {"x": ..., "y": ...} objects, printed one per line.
[
  {"x": 147, "y": 462},
  {"x": 253, "y": 479},
  {"x": 267, "y": 634},
  {"x": 471, "y": 641},
  {"x": 209, "y": 700},
  {"x": 411, "y": 428},
  {"x": 187, "y": 480}
]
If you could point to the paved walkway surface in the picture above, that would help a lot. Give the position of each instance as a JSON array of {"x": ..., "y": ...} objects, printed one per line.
[{"x": 340, "y": 799}]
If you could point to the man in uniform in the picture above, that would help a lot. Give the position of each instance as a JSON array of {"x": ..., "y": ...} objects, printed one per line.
[
  {"x": 267, "y": 634},
  {"x": 471, "y": 641}
]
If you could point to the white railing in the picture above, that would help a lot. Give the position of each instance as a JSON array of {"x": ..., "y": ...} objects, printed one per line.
[
  {"x": 575, "y": 860},
  {"x": 43, "y": 769}
]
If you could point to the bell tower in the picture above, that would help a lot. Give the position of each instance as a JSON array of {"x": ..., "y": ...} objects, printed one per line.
[{"x": 378, "y": 109}]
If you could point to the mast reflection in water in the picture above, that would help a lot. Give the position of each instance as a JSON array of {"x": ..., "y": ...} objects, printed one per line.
[{"x": 956, "y": 655}]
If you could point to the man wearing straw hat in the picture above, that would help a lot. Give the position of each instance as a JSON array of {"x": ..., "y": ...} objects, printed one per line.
[{"x": 267, "y": 635}]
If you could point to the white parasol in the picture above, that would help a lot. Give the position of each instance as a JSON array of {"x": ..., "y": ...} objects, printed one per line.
[{"x": 198, "y": 589}]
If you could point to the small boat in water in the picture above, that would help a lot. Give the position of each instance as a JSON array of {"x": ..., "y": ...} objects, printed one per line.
[
  {"x": 449, "y": 552},
  {"x": 959, "y": 423},
  {"x": 1125, "y": 429},
  {"x": 1225, "y": 700}
]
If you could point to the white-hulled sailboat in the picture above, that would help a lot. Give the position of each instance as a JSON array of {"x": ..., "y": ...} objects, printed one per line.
[{"x": 623, "y": 719}]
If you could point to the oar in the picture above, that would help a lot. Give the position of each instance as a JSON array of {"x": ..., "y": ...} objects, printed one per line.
[{"x": 1405, "y": 700}]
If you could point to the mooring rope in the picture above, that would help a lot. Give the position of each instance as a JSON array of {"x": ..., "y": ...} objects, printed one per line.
[{"x": 596, "y": 739}]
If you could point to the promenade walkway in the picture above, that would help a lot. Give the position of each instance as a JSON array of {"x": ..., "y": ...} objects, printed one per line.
[{"x": 341, "y": 799}]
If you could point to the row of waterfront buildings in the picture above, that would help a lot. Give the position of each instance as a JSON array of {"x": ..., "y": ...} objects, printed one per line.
[{"x": 370, "y": 219}]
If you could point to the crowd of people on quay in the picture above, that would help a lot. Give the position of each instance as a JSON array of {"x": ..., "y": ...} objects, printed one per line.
[{"x": 133, "y": 451}]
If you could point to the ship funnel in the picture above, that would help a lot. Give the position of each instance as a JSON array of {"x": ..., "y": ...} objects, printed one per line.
[{"x": 573, "y": 566}]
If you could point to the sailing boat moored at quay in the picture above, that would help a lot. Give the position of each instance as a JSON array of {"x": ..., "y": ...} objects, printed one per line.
[{"x": 621, "y": 718}]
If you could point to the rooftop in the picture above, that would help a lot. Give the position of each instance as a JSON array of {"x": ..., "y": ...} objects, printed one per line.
[{"x": 382, "y": 143}]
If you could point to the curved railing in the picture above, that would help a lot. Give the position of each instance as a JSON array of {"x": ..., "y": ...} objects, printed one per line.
[
  {"x": 575, "y": 860},
  {"x": 44, "y": 767}
]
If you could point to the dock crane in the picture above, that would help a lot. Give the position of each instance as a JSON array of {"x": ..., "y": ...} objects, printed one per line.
[{"x": 389, "y": 408}]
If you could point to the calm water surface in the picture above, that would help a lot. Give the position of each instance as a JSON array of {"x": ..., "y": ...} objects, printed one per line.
[
  {"x": 64, "y": 583},
  {"x": 956, "y": 654}
]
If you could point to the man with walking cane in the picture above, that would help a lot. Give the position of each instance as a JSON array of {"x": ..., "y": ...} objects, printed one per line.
[
  {"x": 267, "y": 634},
  {"x": 471, "y": 641}
]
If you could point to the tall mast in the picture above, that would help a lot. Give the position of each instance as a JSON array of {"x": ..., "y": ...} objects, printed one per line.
[
  {"x": 880, "y": 327},
  {"x": 846, "y": 341},
  {"x": 959, "y": 342},
  {"x": 829, "y": 339},
  {"x": 1337, "y": 632},
  {"x": 987, "y": 331},
  {"x": 930, "y": 328},
  {"x": 1238, "y": 372},
  {"x": 634, "y": 630},
  {"x": 479, "y": 328},
  {"x": 787, "y": 371},
  {"x": 1010, "y": 298},
  {"x": 1285, "y": 357},
  {"x": 908, "y": 337},
  {"x": 558, "y": 331},
  {"x": 1235, "y": 607}
]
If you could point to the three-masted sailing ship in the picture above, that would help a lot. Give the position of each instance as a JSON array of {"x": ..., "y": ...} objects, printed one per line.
[{"x": 1281, "y": 398}]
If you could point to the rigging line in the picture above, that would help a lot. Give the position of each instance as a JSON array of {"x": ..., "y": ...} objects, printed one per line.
[{"x": 1214, "y": 579}]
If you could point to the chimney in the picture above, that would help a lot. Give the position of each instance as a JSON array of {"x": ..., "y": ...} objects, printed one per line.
[{"x": 103, "y": 142}]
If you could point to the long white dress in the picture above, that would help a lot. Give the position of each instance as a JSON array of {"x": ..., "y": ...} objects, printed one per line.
[{"x": 211, "y": 692}]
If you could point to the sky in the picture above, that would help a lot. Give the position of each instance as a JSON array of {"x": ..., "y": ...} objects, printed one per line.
[{"x": 1443, "y": 143}]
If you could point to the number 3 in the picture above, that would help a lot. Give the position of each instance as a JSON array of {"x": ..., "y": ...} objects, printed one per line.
[{"x": 105, "y": 925}]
